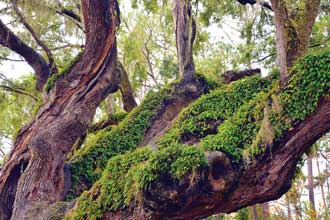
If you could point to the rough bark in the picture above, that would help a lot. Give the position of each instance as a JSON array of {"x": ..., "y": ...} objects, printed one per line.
[
  {"x": 293, "y": 30},
  {"x": 185, "y": 32},
  {"x": 32, "y": 177},
  {"x": 36, "y": 61}
]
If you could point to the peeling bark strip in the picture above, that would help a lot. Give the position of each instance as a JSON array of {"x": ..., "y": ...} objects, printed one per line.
[
  {"x": 63, "y": 118},
  {"x": 38, "y": 63}
]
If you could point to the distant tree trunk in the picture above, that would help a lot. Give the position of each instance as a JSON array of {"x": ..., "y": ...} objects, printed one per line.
[
  {"x": 254, "y": 212},
  {"x": 321, "y": 182},
  {"x": 297, "y": 209},
  {"x": 288, "y": 207},
  {"x": 310, "y": 179}
]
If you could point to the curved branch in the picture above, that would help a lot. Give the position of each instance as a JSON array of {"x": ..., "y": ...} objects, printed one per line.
[
  {"x": 36, "y": 61},
  {"x": 19, "y": 91}
]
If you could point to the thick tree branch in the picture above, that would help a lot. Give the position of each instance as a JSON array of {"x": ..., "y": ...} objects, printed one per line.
[
  {"x": 36, "y": 37},
  {"x": 40, "y": 66}
]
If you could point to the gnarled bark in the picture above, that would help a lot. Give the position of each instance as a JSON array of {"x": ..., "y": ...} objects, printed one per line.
[{"x": 32, "y": 177}]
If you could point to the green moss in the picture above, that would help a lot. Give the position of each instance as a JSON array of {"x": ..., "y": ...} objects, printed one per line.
[
  {"x": 311, "y": 79},
  {"x": 237, "y": 133},
  {"x": 51, "y": 81},
  {"x": 196, "y": 120}
]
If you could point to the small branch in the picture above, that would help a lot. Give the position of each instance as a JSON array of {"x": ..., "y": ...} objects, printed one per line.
[
  {"x": 68, "y": 45},
  {"x": 252, "y": 2},
  {"x": 36, "y": 37},
  {"x": 75, "y": 18},
  {"x": 18, "y": 91},
  {"x": 9, "y": 59},
  {"x": 126, "y": 89},
  {"x": 274, "y": 54}
]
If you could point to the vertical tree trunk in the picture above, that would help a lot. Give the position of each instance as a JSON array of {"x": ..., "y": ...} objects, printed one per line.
[
  {"x": 185, "y": 32},
  {"x": 33, "y": 176},
  {"x": 310, "y": 179}
]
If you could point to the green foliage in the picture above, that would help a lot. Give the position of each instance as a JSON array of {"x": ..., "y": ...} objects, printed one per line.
[
  {"x": 242, "y": 214},
  {"x": 16, "y": 108}
]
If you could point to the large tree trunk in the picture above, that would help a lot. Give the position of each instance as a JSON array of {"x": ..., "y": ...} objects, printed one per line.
[{"x": 32, "y": 177}]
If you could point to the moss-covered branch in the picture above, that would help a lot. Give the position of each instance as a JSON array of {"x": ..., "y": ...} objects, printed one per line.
[{"x": 180, "y": 181}]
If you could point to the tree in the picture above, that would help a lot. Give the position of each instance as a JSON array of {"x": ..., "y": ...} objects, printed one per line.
[{"x": 202, "y": 161}]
